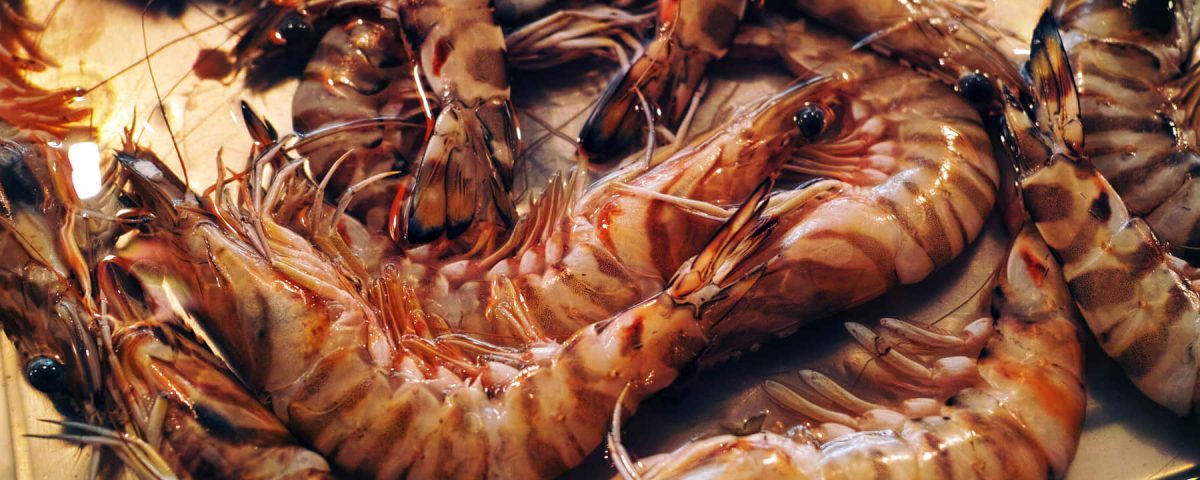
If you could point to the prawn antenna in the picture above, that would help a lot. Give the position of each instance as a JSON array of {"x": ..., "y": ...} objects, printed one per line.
[{"x": 158, "y": 96}]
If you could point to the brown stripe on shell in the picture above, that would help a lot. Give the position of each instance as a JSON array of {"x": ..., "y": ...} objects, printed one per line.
[
  {"x": 1048, "y": 203},
  {"x": 1102, "y": 288},
  {"x": 933, "y": 444},
  {"x": 936, "y": 240},
  {"x": 869, "y": 246},
  {"x": 397, "y": 419},
  {"x": 541, "y": 455},
  {"x": 538, "y": 311},
  {"x": 1140, "y": 357},
  {"x": 587, "y": 290},
  {"x": 1099, "y": 71},
  {"x": 721, "y": 24},
  {"x": 1096, "y": 124},
  {"x": 1177, "y": 302},
  {"x": 1132, "y": 179},
  {"x": 489, "y": 67},
  {"x": 965, "y": 184},
  {"x": 1143, "y": 259}
]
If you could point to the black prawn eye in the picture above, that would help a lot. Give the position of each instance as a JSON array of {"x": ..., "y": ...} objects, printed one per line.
[
  {"x": 811, "y": 121},
  {"x": 46, "y": 374},
  {"x": 976, "y": 89},
  {"x": 294, "y": 28}
]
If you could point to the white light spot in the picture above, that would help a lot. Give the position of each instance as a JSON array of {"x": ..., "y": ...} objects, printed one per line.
[
  {"x": 85, "y": 169},
  {"x": 148, "y": 170}
]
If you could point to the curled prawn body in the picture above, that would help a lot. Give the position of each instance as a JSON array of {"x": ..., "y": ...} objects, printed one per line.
[
  {"x": 380, "y": 397},
  {"x": 1136, "y": 297},
  {"x": 359, "y": 73},
  {"x": 1002, "y": 398},
  {"x": 888, "y": 188}
]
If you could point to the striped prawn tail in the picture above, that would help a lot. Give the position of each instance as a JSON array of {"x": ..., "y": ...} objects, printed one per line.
[{"x": 462, "y": 178}]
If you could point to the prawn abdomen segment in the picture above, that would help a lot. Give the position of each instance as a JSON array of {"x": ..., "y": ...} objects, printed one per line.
[
  {"x": 361, "y": 420},
  {"x": 461, "y": 49}
]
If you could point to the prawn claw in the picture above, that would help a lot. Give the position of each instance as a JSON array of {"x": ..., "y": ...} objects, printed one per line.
[
  {"x": 667, "y": 75},
  {"x": 261, "y": 130},
  {"x": 615, "y": 123}
]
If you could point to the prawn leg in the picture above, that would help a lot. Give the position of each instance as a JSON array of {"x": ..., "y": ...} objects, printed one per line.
[
  {"x": 566, "y": 35},
  {"x": 1002, "y": 398},
  {"x": 384, "y": 403}
]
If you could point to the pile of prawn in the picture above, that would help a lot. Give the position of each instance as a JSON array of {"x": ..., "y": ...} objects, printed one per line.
[{"x": 372, "y": 296}]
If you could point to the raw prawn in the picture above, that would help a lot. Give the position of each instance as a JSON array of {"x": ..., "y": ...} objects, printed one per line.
[
  {"x": 1002, "y": 398},
  {"x": 1136, "y": 297},
  {"x": 147, "y": 391},
  {"x": 896, "y": 178},
  {"x": 380, "y": 399}
]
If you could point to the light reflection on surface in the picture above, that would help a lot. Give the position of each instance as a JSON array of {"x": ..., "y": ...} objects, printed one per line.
[{"x": 85, "y": 169}]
